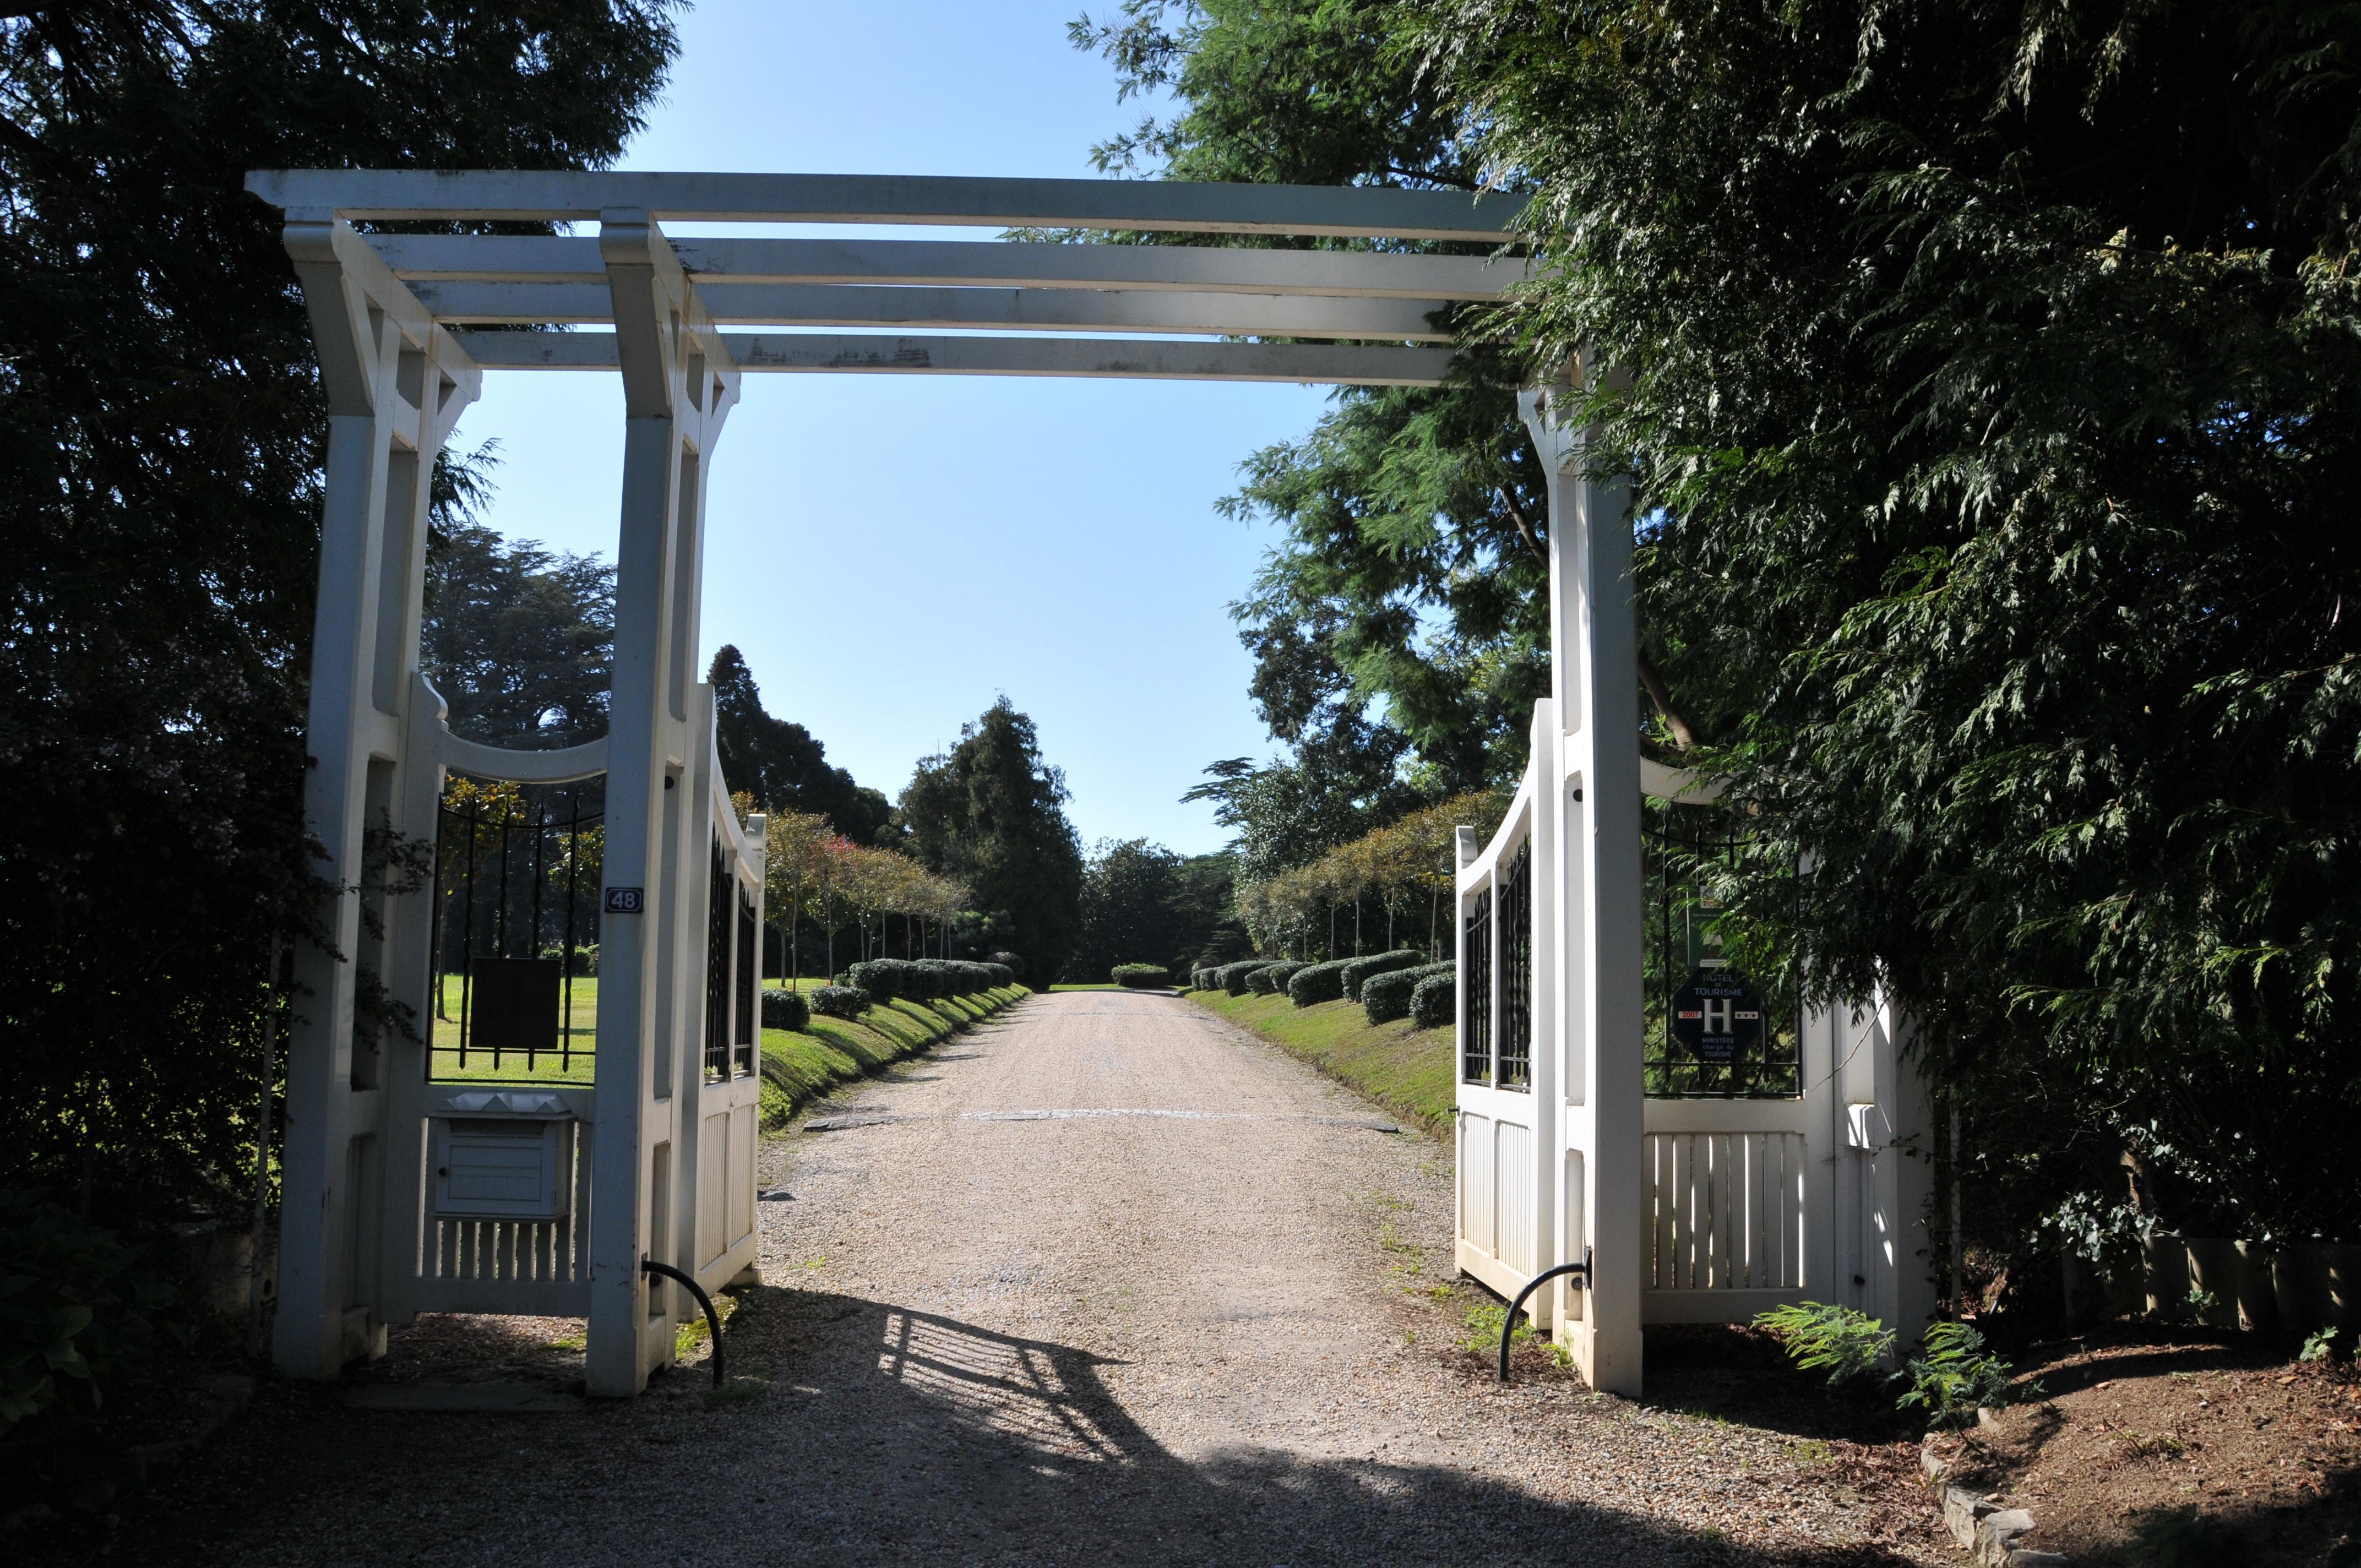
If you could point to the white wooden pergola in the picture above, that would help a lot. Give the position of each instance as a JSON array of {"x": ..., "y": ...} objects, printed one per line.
[{"x": 655, "y": 1162}]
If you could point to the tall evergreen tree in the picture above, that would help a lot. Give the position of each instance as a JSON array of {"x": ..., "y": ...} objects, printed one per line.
[
  {"x": 991, "y": 812},
  {"x": 779, "y": 762},
  {"x": 518, "y": 642},
  {"x": 161, "y": 428}
]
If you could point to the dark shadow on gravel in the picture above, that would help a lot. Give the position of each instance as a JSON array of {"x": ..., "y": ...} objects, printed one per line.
[
  {"x": 861, "y": 1432},
  {"x": 1740, "y": 1373}
]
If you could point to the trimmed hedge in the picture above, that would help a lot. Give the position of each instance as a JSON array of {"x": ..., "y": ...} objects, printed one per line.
[
  {"x": 1435, "y": 1002},
  {"x": 1315, "y": 984},
  {"x": 1358, "y": 970},
  {"x": 926, "y": 980},
  {"x": 785, "y": 1010},
  {"x": 1141, "y": 977},
  {"x": 1385, "y": 997},
  {"x": 840, "y": 1001},
  {"x": 1232, "y": 978},
  {"x": 1271, "y": 979}
]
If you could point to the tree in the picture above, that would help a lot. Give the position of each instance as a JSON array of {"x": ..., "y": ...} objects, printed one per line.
[
  {"x": 779, "y": 762},
  {"x": 991, "y": 812},
  {"x": 1992, "y": 382},
  {"x": 519, "y": 643},
  {"x": 162, "y": 427}
]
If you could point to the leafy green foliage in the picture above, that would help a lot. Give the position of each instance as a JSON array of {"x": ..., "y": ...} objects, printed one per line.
[
  {"x": 160, "y": 411},
  {"x": 1315, "y": 984},
  {"x": 840, "y": 1001},
  {"x": 991, "y": 812},
  {"x": 75, "y": 1311},
  {"x": 1434, "y": 1002},
  {"x": 1140, "y": 901},
  {"x": 785, "y": 1010},
  {"x": 1995, "y": 529},
  {"x": 1953, "y": 1376},
  {"x": 1232, "y": 978},
  {"x": 2318, "y": 1345},
  {"x": 1141, "y": 977},
  {"x": 518, "y": 642},
  {"x": 1385, "y": 997},
  {"x": 1355, "y": 970},
  {"x": 1838, "y": 1341},
  {"x": 1271, "y": 979}
]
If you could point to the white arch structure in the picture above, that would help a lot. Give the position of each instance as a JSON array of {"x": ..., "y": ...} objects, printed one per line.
[{"x": 655, "y": 1160}]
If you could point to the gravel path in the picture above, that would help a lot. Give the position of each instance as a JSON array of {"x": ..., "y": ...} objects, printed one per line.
[{"x": 1104, "y": 1280}]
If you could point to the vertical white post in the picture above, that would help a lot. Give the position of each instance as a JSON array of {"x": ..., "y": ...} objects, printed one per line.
[
  {"x": 676, "y": 391},
  {"x": 1594, "y": 686},
  {"x": 395, "y": 385}
]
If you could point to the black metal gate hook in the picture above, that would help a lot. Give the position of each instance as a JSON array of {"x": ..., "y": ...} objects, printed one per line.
[
  {"x": 712, "y": 1318},
  {"x": 1509, "y": 1323}
]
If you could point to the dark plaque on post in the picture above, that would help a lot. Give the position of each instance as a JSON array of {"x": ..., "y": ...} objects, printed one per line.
[
  {"x": 627, "y": 901},
  {"x": 1718, "y": 1016}
]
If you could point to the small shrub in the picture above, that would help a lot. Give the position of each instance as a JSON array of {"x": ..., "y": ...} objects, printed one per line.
[
  {"x": 878, "y": 977},
  {"x": 1953, "y": 1374},
  {"x": 1271, "y": 979},
  {"x": 1385, "y": 997},
  {"x": 1358, "y": 970},
  {"x": 1140, "y": 976},
  {"x": 840, "y": 1001},
  {"x": 1000, "y": 974},
  {"x": 1435, "y": 1000},
  {"x": 2318, "y": 1345},
  {"x": 1013, "y": 963},
  {"x": 785, "y": 1010},
  {"x": 1315, "y": 984},
  {"x": 1838, "y": 1341},
  {"x": 74, "y": 1311},
  {"x": 1232, "y": 978}
]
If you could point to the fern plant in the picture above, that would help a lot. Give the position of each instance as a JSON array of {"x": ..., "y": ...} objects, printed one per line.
[
  {"x": 1839, "y": 1341},
  {"x": 1955, "y": 1376}
]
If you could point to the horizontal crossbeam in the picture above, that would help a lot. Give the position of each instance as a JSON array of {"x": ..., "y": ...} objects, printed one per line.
[
  {"x": 1349, "y": 365},
  {"x": 1163, "y": 205},
  {"x": 489, "y": 259},
  {"x": 1025, "y": 309}
]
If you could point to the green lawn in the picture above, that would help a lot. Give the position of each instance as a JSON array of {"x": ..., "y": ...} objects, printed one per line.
[
  {"x": 1412, "y": 1072},
  {"x": 795, "y": 1067}
]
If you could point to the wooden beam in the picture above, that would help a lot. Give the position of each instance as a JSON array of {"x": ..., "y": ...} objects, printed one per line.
[
  {"x": 1026, "y": 309},
  {"x": 1346, "y": 364},
  {"x": 1163, "y": 205},
  {"x": 1355, "y": 274}
]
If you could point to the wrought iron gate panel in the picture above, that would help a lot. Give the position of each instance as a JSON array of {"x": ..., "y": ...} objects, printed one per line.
[{"x": 515, "y": 895}]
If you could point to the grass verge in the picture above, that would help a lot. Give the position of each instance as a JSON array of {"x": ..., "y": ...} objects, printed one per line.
[
  {"x": 798, "y": 1066},
  {"x": 1409, "y": 1071}
]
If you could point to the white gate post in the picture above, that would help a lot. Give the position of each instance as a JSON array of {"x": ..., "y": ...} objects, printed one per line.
[
  {"x": 676, "y": 386},
  {"x": 1594, "y": 683},
  {"x": 395, "y": 384}
]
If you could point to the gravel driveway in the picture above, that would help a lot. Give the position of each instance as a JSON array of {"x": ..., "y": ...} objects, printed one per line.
[{"x": 1104, "y": 1280}]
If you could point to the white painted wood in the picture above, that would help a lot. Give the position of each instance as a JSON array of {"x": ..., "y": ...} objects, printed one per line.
[
  {"x": 1024, "y": 310},
  {"x": 461, "y": 755},
  {"x": 1594, "y": 681},
  {"x": 1156, "y": 205},
  {"x": 1110, "y": 358},
  {"x": 1346, "y": 274}
]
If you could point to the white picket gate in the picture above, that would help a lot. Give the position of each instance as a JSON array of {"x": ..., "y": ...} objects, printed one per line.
[{"x": 1692, "y": 1209}]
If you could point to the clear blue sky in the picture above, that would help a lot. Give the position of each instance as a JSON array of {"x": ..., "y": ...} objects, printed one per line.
[{"x": 891, "y": 552}]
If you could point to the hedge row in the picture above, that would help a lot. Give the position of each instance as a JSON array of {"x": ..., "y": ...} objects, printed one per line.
[
  {"x": 785, "y": 1010},
  {"x": 840, "y": 1001},
  {"x": 1271, "y": 979},
  {"x": 1436, "y": 1001},
  {"x": 1385, "y": 997},
  {"x": 1358, "y": 970},
  {"x": 1141, "y": 977},
  {"x": 924, "y": 979}
]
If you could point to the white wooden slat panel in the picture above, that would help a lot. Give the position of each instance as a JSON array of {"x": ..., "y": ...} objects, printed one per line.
[
  {"x": 1476, "y": 1184},
  {"x": 1723, "y": 1211},
  {"x": 1517, "y": 1247}
]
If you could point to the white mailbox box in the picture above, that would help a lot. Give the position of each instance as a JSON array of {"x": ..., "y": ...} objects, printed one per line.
[{"x": 503, "y": 1167}]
